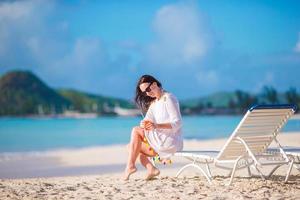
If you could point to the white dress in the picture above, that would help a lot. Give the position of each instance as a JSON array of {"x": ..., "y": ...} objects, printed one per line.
[{"x": 165, "y": 141}]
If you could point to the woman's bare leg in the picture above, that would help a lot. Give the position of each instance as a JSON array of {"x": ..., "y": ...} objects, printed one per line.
[
  {"x": 152, "y": 171},
  {"x": 146, "y": 162},
  {"x": 134, "y": 149}
]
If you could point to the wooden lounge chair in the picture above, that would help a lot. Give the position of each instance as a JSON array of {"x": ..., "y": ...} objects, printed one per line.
[{"x": 247, "y": 146}]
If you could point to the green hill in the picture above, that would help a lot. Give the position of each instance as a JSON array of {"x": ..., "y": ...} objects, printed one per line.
[
  {"x": 22, "y": 93},
  {"x": 219, "y": 99},
  {"x": 85, "y": 102}
]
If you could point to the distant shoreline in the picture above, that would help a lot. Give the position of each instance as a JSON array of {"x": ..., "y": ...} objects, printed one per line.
[
  {"x": 296, "y": 116},
  {"x": 94, "y": 116}
]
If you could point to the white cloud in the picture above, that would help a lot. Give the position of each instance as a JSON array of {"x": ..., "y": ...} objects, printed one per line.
[
  {"x": 82, "y": 67},
  {"x": 208, "y": 79},
  {"x": 32, "y": 37},
  {"x": 297, "y": 48},
  {"x": 181, "y": 37},
  {"x": 25, "y": 38},
  {"x": 267, "y": 80},
  {"x": 87, "y": 55},
  {"x": 16, "y": 10},
  {"x": 87, "y": 50}
]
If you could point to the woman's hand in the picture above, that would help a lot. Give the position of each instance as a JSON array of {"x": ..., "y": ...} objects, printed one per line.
[
  {"x": 142, "y": 123},
  {"x": 147, "y": 125}
]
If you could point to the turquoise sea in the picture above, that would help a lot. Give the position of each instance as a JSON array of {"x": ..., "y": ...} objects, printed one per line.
[{"x": 30, "y": 134}]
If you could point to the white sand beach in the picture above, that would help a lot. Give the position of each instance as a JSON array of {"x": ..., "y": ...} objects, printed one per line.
[{"x": 94, "y": 173}]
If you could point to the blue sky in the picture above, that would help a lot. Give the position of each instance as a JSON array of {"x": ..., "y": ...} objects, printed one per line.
[{"x": 193, "y": 47}]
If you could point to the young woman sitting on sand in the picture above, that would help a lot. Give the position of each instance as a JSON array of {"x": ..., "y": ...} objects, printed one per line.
[{"x": 159, "y": 133}]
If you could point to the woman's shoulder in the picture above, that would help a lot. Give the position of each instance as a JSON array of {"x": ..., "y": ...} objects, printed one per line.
[{"x": 169, "y": 96}]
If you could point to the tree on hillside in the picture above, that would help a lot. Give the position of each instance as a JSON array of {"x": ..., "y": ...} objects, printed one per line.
[
  {"x": 270, "y": 94},
  {"x": 244, "y": 100},
  {"x": 292, "y": 96}
]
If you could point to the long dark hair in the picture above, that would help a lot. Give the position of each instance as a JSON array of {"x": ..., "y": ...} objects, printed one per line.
[{"x": 142, "y": 100}]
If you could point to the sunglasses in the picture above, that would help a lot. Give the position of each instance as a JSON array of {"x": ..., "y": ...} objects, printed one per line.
[{"x": 148, "y": 89}]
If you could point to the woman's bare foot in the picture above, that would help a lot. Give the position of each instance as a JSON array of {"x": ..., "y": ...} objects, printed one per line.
[
  {"x": 128, "y": 172},
  {"x": 154, "y": 172}
]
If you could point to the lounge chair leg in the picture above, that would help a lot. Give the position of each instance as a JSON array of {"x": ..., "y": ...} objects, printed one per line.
[
  {"x": 261, "y": 174},
  {"x": 297, "y": 160},
  {"x": 249, "y": 171},
  {"x": 208, "y": 170},
  {"x": 233, "y": 172},
  {"x": 289, "y": 171},
  {"x": 272, "y": 172},
  {"x": 230, "y": 172},
  {"x": 182, "y": 169},
  {"x": 196, "y": 166},
  {"x": 297, "y": 167}
]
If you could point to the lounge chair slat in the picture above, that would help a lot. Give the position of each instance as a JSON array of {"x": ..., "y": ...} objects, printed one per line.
[
  {"x": 261, "y": 122},
  {"x": 253, "y": 120},
  {"x": 260, "y": 117},
  {"x": 251, "y": 146},
  {"x": 261, "y": 127},
  {"x": 246, "y": 125},
  {"x": 254, "y": 129},
  {"x": 251, "y": 132},
  {"x": 266, "y": 115},
  {"x": 258, "y": 138},
  {"x": 271, "y": 111},
  {"x": 249, "y": 142}
]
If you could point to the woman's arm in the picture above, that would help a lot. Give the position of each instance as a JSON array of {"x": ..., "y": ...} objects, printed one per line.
[
  {"x": 151, "y": 125},
  {"x": 172, "y": 106},
  {"x": 149, "y": 118}
]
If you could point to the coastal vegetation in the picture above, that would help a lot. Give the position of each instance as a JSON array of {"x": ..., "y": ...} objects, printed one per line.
[
  {"x": 239, "y": 101},
  {"x": 22, "y": 93}
]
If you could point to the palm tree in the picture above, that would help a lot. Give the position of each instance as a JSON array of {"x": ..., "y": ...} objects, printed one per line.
[
  {"x": 244, "y": 100},
  {"x": 292, "y": 96},
  {"x": 270, "y": 94}
]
